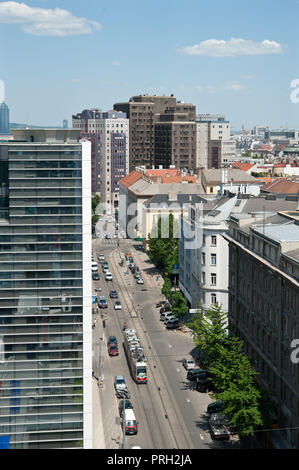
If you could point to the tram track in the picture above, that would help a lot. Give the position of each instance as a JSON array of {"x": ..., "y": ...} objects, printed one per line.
[{"x": 168, "y": 406}]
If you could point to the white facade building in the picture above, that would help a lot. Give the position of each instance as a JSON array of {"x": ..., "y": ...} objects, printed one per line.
[{"x": 204, "y": 267}]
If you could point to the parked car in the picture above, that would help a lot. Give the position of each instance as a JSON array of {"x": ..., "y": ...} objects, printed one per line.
[
  {"x": 101, "y": 257},
  {"x": 166, "y": 314},
  {"x": 105, "y": 269},
  {"x": 113, "y": 350},
  {"x": 124, "y": 404},
  {"x": 140, "y": 280},
  {"x": 172, "y": 323},
  {"x": 108, "y": 277},
  {"x": 215, "y": 407},
  {"x": 95, "y": 276},
  {"x": 166, "y": 308},
  {"x": 169, "y": 317},
  {"x": 102, "y": 303},
  {"x": 189, "y": 364},
  {"x": 204, "y": 385},
  {"x": 219, "y": 426},
  {"x": 117, "y": 305},
  {"x": 112, "y": 340},
  {"x": 94, "y": 266},
  {"x": 113, "y": 294},
  {"x": 161, "y": 303},
  {"x": 137, "y": 274},
  {"x": 120, "y": 383},
  {"x": 194, "y": 374},
  {"x": 131, "y": 425}
]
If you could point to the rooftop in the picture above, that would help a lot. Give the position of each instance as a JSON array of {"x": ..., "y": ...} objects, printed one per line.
[
  {"x": 280, "y": 233},
  {"x": 232, "y": 175}
]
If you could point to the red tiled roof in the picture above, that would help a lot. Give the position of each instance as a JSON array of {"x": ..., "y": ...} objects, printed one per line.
[
  {"x": 131, "y": 178},
  {"x": 243, "y": 166},
  {"x": 282, "y": 186}
]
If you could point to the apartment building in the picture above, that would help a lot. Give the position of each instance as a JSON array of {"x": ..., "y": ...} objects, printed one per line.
[
  {"x": 144, "y": 112},
  {"x": 264, "y": 306},
  {"x": 214, "y": 144},
  {"x": 114, "y": 154},
  {"x": 45, "y": 290}
]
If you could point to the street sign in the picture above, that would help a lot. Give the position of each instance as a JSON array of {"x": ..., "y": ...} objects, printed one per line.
[
  {"x": 175, "y": 269},
  {"x": 94, "y": 299}
]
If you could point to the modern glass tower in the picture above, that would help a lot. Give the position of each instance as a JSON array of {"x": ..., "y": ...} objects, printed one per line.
[
  {"x": 45, "y": 290},
  {"x": 4, "y": 119}
]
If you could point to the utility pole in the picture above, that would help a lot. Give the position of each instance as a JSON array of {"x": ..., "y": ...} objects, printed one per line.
[{"x": 100, "y": 360}]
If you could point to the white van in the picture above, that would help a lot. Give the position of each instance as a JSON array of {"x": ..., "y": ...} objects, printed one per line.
[{"x": 131, "y": 425}]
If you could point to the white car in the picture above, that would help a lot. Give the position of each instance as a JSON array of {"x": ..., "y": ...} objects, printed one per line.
[
  {"x": 94, "y": 266},
  {"x": 117, "y": 305},
  {"x": 140, "y": 280},
  {"x": 108, "y": 277},
  {"x": 189, "y": 364},
  {"x": 101, "y": 257}
]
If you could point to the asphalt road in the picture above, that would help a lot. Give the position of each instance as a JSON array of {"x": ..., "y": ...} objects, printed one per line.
[{"x": 170, "y": 413}]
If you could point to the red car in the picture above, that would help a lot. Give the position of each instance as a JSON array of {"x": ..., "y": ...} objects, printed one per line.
[{"x": 113, "y": 350}]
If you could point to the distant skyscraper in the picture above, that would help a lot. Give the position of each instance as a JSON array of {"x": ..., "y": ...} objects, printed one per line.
[
  {"x": 65, "y": 124},
  {"x": 4, "y": 119}
]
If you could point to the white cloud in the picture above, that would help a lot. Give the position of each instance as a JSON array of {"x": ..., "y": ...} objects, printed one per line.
[
  {"x": 46, "y": 22},
  {"x": 233, "y": 47},
  {"x": 234, "y": 86}
]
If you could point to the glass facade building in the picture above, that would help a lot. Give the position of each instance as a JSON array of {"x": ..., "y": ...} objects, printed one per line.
[{"x": 45, "y": 294}]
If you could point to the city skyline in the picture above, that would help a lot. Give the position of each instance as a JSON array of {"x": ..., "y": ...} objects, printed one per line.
[{"x": 222, "y": 59}]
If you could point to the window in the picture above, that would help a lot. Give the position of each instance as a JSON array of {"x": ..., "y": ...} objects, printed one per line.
[
  {"x": 213, "y": 279},
  {"x": 213, "y": 298},
  {"x": 203, "y": 258},
  {"x": 203, "y": 277},
  {"x": 213, "y": 240},
  {"x": 213, "y": 259}
]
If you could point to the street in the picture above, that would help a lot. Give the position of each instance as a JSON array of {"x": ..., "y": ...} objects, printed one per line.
[{"x": 170, "y": 413}]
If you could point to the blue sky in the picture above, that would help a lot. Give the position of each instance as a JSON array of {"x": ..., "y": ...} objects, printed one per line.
[{"x": 95, "y": 53}]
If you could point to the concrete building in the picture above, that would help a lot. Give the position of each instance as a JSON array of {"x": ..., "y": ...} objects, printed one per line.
[
  {"x": 229, "y": 179},
  {"x": 109, "y": 134},
  {"x": 264, "y": 306},
  {"x": 114, "y": 154},
  {"x": 204, "y": 264},
  {"x": 144, "y": 112},
  {"x": 45, "y": 290},
  {"x": 137, "y": 188},
  {"x": 175, "y": 142},
  {"x": 4, "y": 119},
  {"x": 214, "y": 145}
]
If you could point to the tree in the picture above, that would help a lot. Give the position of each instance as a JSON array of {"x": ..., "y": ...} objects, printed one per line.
[
  {"x": 162, "y": 251},
  {"x": 179, "y": 306},
  {"x": 166, "y": 289},
  {"x": 95, "y": 201},
  {"x": 233, "y": 376}
]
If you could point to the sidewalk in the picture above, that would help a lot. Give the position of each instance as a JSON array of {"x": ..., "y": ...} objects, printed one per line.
[{"x": 149, "y": 270}]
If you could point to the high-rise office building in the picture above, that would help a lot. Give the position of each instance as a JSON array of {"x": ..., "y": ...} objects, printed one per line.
[
  {"x": 4, "y": 119},
  {"x": 45, "y": 290},
  {"x": 114, "y": 154},
  {"x": 109, "y": 134},
  {"x": 144, "y": 112},
  {"x": 87, "y": 122}
]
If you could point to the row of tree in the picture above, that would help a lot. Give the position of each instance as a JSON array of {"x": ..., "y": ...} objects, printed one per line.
[
  {"x": 246, "y": 405},
  {"x": 164, "y": 253}
]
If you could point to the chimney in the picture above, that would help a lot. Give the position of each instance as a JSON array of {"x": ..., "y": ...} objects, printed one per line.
[{"x": 172, "y": 197}]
